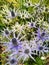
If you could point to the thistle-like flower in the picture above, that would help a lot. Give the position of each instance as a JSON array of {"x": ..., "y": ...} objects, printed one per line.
[
  {"x": 12, "y": 13},
  {"x": 24, "y": 14},
  {"x": 32, "y": 24},
  {"x": 41, "y": 49},
  {"x": 12, "y": 61},
  {"x": 14, "y": 44},
  {"x": 6, "y": 32},
  {"x": 25, "y": 52},
  {"x": 42, "y": 35},
  {"x": 28, "y": 4}
]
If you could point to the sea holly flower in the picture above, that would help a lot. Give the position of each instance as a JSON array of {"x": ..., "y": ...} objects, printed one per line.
[
  {"x": 12, "y": 13},
  {"x": 41, "y": 49},
  {"x": 28, "y": 4},
  {"x": 38, "y": 47},
  {"x": 14, "y": 44},
  {"x": 42, "y": 35},
  {"x": 24, "y": 14},
  {"x": 32, "y": 24},
  {"x": 12, "y": 61},
  {"x": 6, "y": 32},
  {"x": 25, "y": 52},
  {"x": 9, "y": 13}
]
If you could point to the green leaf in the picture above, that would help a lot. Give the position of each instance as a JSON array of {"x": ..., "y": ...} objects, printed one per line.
[
  {"x": 39, "y": 61},
  {"x": 2, "y": 25},
  {"x": 46, "y": 2},
  {"x": 35, "y": 1},
  {"x": 29, "y": 62}
]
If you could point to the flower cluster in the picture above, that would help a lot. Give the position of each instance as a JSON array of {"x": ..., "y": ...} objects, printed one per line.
[
  {"x": 22, "y": 48},
  {"x": 26, "y": 34}
]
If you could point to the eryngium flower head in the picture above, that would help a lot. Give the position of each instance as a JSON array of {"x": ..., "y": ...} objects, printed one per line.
[
  {"x": 12, "y": 61},
  {"x": 24, "y": 14},
  {"x": 42, "y": 35},
  {"x": 6, "y": 32},
  {"x": 32, "y": 24},
  {"x": 41, "y": 49},
  {"x": 26, "y": 52},
  {"x": 12, "y": 13},
  {"x": 14, "y": 44}
]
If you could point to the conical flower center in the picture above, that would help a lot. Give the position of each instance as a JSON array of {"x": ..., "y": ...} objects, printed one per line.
[
  {"x": 14, "y": 41},
  {"x": 12, "y": 13},
  {"x": 29, "y": 4},
  {"x": 31, "y": 24},
  {"x": 41, "y": 48},
  {"x": 12, "y": 61},
  {"x": 6, "y": 32},
  {"x": 26, "y": 51},
  {"x": 43, "y": 34}
]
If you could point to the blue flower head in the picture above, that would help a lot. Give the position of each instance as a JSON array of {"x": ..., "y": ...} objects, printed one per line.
[
  {"x": 14, "y": 44},
  {"x": 41, "y": 49},
  {"x": 12, "y": 61},
  {"x": 42, "y": 35}
]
